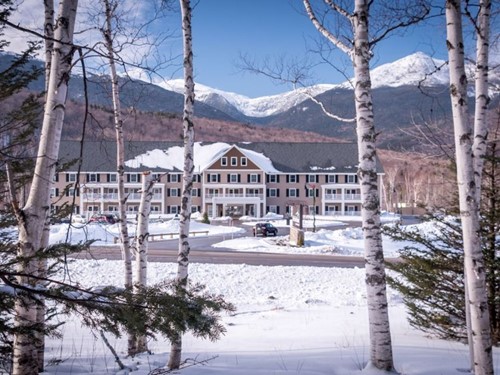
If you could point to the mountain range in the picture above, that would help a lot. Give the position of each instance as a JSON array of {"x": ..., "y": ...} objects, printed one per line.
[{"x": 410, "y": 91}]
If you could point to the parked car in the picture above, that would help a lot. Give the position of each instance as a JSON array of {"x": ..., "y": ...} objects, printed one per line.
[
  {"x": 265, "y": 229},
  {"x": 78, "y": 219},
  {"x": 103, "y": 219}
]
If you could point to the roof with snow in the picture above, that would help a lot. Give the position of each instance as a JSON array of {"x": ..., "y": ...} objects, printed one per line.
[{"x": 100, "y": 156}]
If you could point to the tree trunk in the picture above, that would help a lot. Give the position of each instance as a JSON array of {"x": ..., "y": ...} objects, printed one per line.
[
  {"x": 110, "y": 7},
  {"x": 120, "y": 152},
  {"x": 360, "y": 54},
  {"x": 141, "y": 248},
  {"x": 49, "y": 35},
  {"x": 187, "y": 180},
  {"x": 469, "y": 213},
  {"x": 481, "y": 89},
  {"x": 378, "y": 314},
  {"x": 36, "y": 210}
]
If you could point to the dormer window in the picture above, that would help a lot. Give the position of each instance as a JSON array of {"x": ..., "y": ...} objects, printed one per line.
[
  {"x": 234, "y": 161},
  {"x": 223, "y": 161},
  {"x": 243, "y": 161}
]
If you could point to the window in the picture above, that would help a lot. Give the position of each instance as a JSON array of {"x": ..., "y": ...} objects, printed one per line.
[
  {"x": 132, "y": 208},
  {"x": 233, "y": 178},
  {"x": 53, "y": 192},
  {"x": 157, "y": 193},
  {"x": 174, "y": 192},
  {"x": 333, "y": 179},
  {"x": 93, "y": 208},
  {"x": 173, "y": 209},
  {"x": 112, "y": 177},
  {"x": 311, "y": 178},
  {"x": 351, "y": 179},
  {"x": 112, "y": 208},
  {"x": 195, "y": 209},
  {"x": 243, "y": 161},
  {"x": 194, "y": 192},
  {"x": 175, "y": 178},
  {"x": 253, "y": 178},
  {"x": 133, "y": 177},
  {"x": 273, "y": 178},
  {"x": 293, "y": 178},
  {"x": 71, "y": 192},
  {"x": 253, "y": 193},
  {"x": 223, "y": 161},
  {"x": 155, "y": 208},
  {"x": 212, "y": 193},
  {"x": 273, "y": 209},
  {"x": 213, "y": 177},
  {"x": 292, "y": 193},
  {"x": 274, "y": 192},
  {"x": 71, "y": 177},
  {"x": 92, "y": 177},
  {"x": 234, "y": 161}
]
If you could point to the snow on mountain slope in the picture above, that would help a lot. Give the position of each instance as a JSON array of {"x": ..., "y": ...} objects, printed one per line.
[
  {"x": 254, "y": 107},
  {"x": 414, "y": 69}
]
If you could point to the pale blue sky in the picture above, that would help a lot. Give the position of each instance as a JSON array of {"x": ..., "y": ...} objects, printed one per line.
[
  {"x": 260, "y": 29},
  {"x": 224, "y": 29}
]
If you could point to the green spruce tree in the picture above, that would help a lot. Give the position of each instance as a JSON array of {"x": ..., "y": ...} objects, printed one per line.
[{"x": 430, "y": 273}]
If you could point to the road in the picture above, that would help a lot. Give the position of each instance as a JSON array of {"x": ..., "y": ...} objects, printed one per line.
[
  {"x": 225, "y": 256},
  {"x": 203, "y": 252}
]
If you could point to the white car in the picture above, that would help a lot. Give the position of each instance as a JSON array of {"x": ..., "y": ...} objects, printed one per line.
[{"x": 78, "y": 219}]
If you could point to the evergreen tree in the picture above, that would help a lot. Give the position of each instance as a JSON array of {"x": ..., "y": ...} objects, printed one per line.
[{"x": 430, "y": 273}]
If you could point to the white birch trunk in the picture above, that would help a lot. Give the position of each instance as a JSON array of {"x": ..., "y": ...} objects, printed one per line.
[
  {"x": 378, "y": 314},
  {"x": 42, "y": 265},
  {"x": 120, "y": 151},
  {"x": 141, "y": 247},
  {"x": 36, "y": 210},
  {"x": 187, "y": 180},
  {"x": 49, "y": 34},
  {"x": 481, "y": 89},
  {"x": 473, "y": 256}
]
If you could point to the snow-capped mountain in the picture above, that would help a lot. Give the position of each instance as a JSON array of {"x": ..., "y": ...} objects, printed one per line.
[
  {"x": 417, "y": 69},
  {"x": 252, "y": 107},
  {"x": 411, "y": 70}
]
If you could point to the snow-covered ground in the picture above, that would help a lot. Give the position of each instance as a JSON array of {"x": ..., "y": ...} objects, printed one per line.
[{"x": 289, "y": 320}]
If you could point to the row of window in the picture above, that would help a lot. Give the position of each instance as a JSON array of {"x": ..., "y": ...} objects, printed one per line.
[
  {"x": 131, "y": 208},
  {"x": 215, "y": 178},
  {"x": 234, "y": 161},
  {"x": 252, "y": 178}
]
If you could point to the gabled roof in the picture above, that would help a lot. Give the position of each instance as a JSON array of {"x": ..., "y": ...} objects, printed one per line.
[
  {"x": 259, "y": 159},
  {"x": 100, "y": 156}
]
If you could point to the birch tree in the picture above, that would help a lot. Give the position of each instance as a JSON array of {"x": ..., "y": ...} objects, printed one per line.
[
  {"x": 107, "y": 31},
  {"x": 479, "y": 147},
  {"x": 141, "y": 250},
  {"x": 33, "y": 216},
  {"x": 187, "y": 178},
  {"x": 474, "y": 269},
  {"x": 358, "y": 47}
]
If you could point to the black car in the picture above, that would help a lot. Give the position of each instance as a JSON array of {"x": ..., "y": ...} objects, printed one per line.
[{"x": 265, "y": 229}]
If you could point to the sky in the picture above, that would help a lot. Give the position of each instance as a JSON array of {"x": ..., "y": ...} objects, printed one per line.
[
  {"x": 223, "y": 30},
  {"x": 288, "y": 319}
]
